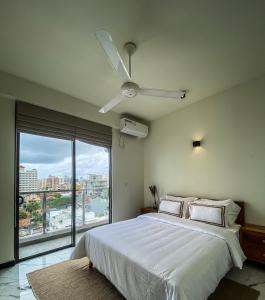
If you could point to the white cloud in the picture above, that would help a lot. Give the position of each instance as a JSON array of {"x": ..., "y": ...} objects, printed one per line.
[{"x": 53, "y": 157}]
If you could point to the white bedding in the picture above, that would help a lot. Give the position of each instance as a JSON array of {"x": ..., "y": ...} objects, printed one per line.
[{"x": 158, "y": 256}]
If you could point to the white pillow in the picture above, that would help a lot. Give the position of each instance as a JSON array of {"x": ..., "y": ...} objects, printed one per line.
[
  {"x": 210, "y": 214},
  {"x": 186, "y": 200},
  {"x": 170, "y": 207},
  {"x": 231, "y": 212}
]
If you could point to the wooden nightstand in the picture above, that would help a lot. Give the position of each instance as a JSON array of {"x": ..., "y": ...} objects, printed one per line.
[
  {"x": 253, "y": 242},
  {"x": 146, "y": 210}
]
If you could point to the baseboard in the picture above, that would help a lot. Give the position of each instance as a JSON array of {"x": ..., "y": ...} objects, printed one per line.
[{"x": 7, "y": 264}]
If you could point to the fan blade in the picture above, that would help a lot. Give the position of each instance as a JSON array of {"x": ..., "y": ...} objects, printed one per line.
[
  {"x": 115, "y": 101},
  {"x": 179, "y": 94},
  {"x": 110, "y": 49}
]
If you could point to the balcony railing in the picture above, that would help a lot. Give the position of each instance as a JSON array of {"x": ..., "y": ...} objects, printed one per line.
[{"x": 48, "y": 213}]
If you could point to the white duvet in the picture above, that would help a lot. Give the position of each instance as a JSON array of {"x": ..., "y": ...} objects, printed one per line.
[{"x": 158, "y": 256}]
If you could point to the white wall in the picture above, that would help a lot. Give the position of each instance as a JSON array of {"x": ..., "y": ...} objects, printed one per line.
[
  {"x": 127, "y": 163},
  {"x": 128, "y": 180},
  {"x": 231, "y": 162}
]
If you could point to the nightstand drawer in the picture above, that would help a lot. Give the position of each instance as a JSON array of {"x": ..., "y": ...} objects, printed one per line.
[
  {"x": 254, "y": 238},
  {"x": 254, "y": 252}
]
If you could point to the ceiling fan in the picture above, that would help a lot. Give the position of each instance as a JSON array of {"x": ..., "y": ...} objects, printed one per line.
[{"x": 129, "y": 89}]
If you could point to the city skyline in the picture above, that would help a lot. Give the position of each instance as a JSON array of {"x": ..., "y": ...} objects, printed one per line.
[
  {"x": 51, "y": 156},
  {"x": 29, "y": 181},
  {"x": 62, "y": 177}
]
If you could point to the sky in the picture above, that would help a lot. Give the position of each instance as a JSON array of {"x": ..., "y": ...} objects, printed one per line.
[{"x": 52, "y": 156}]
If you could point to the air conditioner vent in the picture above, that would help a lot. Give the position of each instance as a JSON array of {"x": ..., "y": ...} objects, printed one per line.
[{"x": 134, "y": 128}]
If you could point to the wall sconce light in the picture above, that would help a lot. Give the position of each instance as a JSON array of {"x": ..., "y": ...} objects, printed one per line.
[{"x": 196, "y": 144}]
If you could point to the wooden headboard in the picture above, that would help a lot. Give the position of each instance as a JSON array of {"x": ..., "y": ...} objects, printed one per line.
[{"x": 241, "y": 217}]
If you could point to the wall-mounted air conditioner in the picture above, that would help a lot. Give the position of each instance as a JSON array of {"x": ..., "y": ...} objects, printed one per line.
[{"x": 133, "y": 128}]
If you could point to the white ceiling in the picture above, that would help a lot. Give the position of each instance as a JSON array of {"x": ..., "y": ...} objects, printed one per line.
[{"x": 204, "y": 46}]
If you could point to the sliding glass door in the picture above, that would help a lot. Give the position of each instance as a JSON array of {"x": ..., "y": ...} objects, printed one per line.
[
  {"x": 45, "y": 194},
  {"x": 63, "y": 189},
  {"x": 92, "y": 186}
]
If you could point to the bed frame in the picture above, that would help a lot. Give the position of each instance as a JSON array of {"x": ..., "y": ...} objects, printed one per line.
[{"x": 241, "y": 217}]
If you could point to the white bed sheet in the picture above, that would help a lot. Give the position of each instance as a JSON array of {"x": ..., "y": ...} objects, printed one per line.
[{"x": 158, "y": 256}]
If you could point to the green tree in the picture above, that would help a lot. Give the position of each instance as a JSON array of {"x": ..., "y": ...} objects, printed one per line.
[
  {"x": 57, "y": 200},
  {"x": 23, "y": 214},
  {"x": 32, "y": 206},
  {"x": 36, "y": 217}
]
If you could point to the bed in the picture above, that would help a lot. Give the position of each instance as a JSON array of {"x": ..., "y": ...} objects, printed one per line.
[{"x": 158, "y": 256}]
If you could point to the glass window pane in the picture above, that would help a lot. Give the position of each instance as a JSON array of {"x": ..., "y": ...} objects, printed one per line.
[
  {"x": 45, "y": 183},
  {"x": 92, "y": 186}
]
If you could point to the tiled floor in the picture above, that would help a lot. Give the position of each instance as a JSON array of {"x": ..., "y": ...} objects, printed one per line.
[
  {"x": 14, "y": 284},
  {"x": 252, "y": 274},
  {"x": 13, "y": 281}
]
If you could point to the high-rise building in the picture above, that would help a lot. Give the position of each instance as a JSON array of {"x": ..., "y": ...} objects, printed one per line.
[
  {"x": 43, "y": 183},
  {"x": 28, "y": 180},
  {"x": 67, "y": 180},
  {"x": 64, "y": 183},
  {"x": 52, "y": 182}
]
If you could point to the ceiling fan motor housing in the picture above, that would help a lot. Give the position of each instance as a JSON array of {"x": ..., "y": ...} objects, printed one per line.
[
  {"x": 130, "y": 47},
  {"x": 129, "y": 89}
]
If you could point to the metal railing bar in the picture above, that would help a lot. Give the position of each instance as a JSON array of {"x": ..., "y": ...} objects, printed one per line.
[
  {"x": 44, "y": 191},
  {"x": 54, "y": 191},
  {"x": 44, "y": 218},
  {"x": 83, "y": 208},
  {"x": 83, "y": 194}
]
